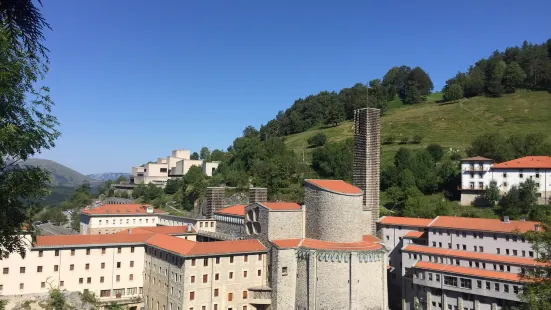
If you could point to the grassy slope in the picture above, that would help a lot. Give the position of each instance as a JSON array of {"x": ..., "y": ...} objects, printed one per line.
[{"x": 451, "y": 125}]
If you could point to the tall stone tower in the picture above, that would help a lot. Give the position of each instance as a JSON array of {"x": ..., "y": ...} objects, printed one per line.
[
  {"x": 215, "y": 197},
  {"x": 367, "y": 161}
]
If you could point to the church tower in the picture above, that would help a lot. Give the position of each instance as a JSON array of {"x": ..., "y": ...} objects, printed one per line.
[{"x": 367, "y": 160}]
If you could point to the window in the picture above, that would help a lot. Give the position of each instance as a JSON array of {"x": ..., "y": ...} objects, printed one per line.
[
  {"x": 131, "y": 277},
  {"x": 39, "y": 269},
  {"x": 508, "y": 268},
  {"x": 430, "y": 276},
  {"x": 21, "y": 269},
  {"x": 205, "y": 278},
  {"x": 119, "y": 250},
  {"x": 515, "y": 289},
  {"x": 118, "y": 278},
  {"x": 131, "y": 263},
  {"x": 193, "y": 262},
  {"x": 80, "y": 280},
  {"x": 40, "y": 253},
  {"x": 244, "y": 294},
  {"x": 230, "y": 296},
  {"x": 464, "y": 247},
  {"x": 218, "y": 260},
  {"x": 102, "y": 265},
  {"x": 192, "y": 279},
  {"x": 56, "y": 252},
  {"x": 87, "y": 267},
  {"x": 56, "y": 267},
  {"x": 131, "y": 249},
  {"x": 506, "y": 288},
  {"x": 475, "y": 248},
  {"x": 231, "y": 259},
  {"x": 478, "y": 284},
  {"x": 452, "y": 281},
  {"x": 87, "y": 251},
  {"x": 464, "y": 234},
  {"x": 437, "y": 278},
  {"x": 102, "y": 250},
  {"x": 530, "y": 253},
  {"x": 246, "y": 258},
  {"x": 507, "y": 251},
  {"x": 215, "y": 292},
  {"x": 61, "y": 283},
  {"x": 217, "y": 277},
  {"x": 284, "y": 271},
  {"x": 205, "y": 262},
  {"x": 488, "y": 285},
  {"x": 434, "y": 243},
  {"x": 21, "y": 286},
  {"x": 118, "y": 264},
  {"x": 449, "y": 245},
  {"x": 101, "y": 279},
  {"x": 259, "y": 272},
  {"x": 523, "y": 253},
  {"x": 88, "y": 280},
  {"x": 498, "y": 251},
  {"x": 191, "y": 295},
  {"x": 440, "y": 244},
  {"x": 466, "y": 283},
  {"x": 72, "y": 252},
  {"x": 481, "y": 249},
  {"x": 231, "y": 275},
  {"x": 163, "y": 169}
]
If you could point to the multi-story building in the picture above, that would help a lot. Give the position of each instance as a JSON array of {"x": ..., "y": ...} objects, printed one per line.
[
  {"x": 174, "y": 166},
  {"x": 112, "y": 218},
  {"x": 456, "y": 263},
  {"x": 478, "y": 172}
]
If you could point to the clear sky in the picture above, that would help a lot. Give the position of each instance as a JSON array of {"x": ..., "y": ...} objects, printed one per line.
[{"x": 133, "y": 80}]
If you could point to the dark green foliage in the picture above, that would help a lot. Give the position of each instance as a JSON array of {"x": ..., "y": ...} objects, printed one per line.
[
  {"x": 148, "y": 192},
  {"x": 402, "y": 158},
  {"x": 500, "y": 148},
  {"x": 453, "y": 92},
  {"x": 427, "y": 206},
  {"x": 204, "y": 154},
  {"x": 194, "y": 156},
  {"x": 172, "y": 186},
  {"x": 334, "y": 160},
  {"x": 436, "y": 151},
  {"x": 389, "y": 139},
  {"x": 491, "y": 194},
  {"x": 455, "y": 156},
  {"x": 412, "y": 94},
  {"x": 26, "y": 124},
  {"x": 520, "y": 200},
  {"x": 404, "y": 140},
  {"x": 335, "y": 114},
  {"x": 318, "y": 139},
  {"x": 217, "y": 155},
  {"x": 395, "y": 81},
  {"x": 422, "y": 80},
  {"x": 528, "y": 66}
]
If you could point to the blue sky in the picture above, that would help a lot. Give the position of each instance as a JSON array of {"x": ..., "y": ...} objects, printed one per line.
[{"x": 133, "y": 80}]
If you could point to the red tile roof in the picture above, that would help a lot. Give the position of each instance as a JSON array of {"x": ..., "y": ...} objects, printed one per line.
[
  {"x": 281, "y": 206},
  {"x": 492, "y": 225},
  {"x": 477, "y": 158},
  {"x": 167, "y": 230},
  {"x": 414, "y": 234},
  {"x": 190, "y": 248},
  {"x": 405, "y": 221},
  {"x": 369, "y": 243},
  {"x": 543, "y": 162},
  {"x": 480, "y": 273},
  {"x": 75, "y": 240},
  {"x": 120, "y": 209},
  {"x": 337, "y": 186},
  {"x": 471, "y": 255},
  {"x": 237, "y": 210}
]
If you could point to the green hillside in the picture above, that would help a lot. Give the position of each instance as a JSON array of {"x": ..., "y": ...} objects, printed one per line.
[
  {"x": 452, "y": 125},
  {"x": 61, "y": 175}
]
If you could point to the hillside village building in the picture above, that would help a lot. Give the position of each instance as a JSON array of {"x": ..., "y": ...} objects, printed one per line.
[
  {"x": 174, "y": 166},
  {"x": 478, "y": 172},
  {"x": 456, "y": 263}
]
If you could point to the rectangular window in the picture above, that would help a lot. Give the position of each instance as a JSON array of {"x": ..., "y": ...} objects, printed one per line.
[
  {"x": 40, "y": 253},
  {"x": 119, "y": 250},
  {"x": 230, "y": 296},
  {"x": 506, "y": 288},
  {"x": 215, "y": 292},
  {"x": 466, "y": 283},
  {"x": 87, "y": 251},
  {"x": 488, "y": 285},
  {"x": 21, "y": 269},
  {"x": 231, "y": 259},
  {"x": 246, "y": 258},
  {"x": 244, "y": 273},
  {"x": 87, "y": 266},
  {"x": 218, "y": 260},
  {"x": 259, "y": 272},
  {"x": 72, "y": 252},
  {"x": 118, "y": 264},
  {"x": 80, "y": 280},
  {"x": 193, "y": 262},
  {"x": 284, "y": 271},
  {"x": 478, "y": 284},
  {"x": 496, "y": 287},
  {"x": 245, "y": 294},
  {"x": 61, "y": 283},
  {"x": 105, "y": 293},
  {"x": 56, "y": 252},
  {"x": 42, "y": 284},
  {"x": 101, "y": 279},
  {"x": 131, "y": 277},
  {"x": 205, "y": 262},
  {"x": 192, "y": 279},
  {"x": 515, "y": 289},
  {"x": 131, "y": 249},
  {"x": 21, "y": 286},
  {"x": 102, "y": 250},
  {"x": 191, "y": 295},
  {"x": 56, "y": 268},
  {"x": 205, "y": 278},
  {"x": 216, "y": 277},
  {"x": 481, "y": 249},
  {"x": 118, "y": 278},
  {"x": 39, "y": 269},
  {"x": 451, "y": 281},
  {"x": 89, "y": 280},
  {"x": 430, "y": 276},
  {"x": 102, "y": 265},
  {"x": 231, "y": 275},
  {"x": 437, "y": 278}
]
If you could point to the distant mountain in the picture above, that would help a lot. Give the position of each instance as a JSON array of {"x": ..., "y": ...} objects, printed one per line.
[
  {"x": 61, "y": 175},
  {"x": 106, "y": 176}
]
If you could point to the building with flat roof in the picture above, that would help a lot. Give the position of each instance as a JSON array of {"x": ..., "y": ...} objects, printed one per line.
[
  {"x": 112, "y": 218},
  {"x": 477, "y": 173},
  {"x": 456, "y": 262}
]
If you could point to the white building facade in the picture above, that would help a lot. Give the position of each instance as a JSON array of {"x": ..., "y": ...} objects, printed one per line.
[{"x": 477, "y": 173}]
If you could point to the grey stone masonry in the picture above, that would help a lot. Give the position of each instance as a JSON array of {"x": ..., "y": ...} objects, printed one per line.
[
  {"x": 258, "y": 194},
  {"x": 367, "y": 159},
  {"x": 215, "y": 197}
]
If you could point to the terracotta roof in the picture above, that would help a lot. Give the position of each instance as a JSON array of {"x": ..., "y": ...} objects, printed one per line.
[
  {"x": 477, "y": 158},
  {"x": 120, "y": 209},
  {"x": 69, "y": 240},
  {"x": 237, "y": 210},
  {"x": 479, "y": 273},
  {"x": 471, "y": 255},
  {"x": 414, "y": 234},
  {"x": 404, "y": 221},
  {"x": 369, "y": 243},
  {"x": 189, "y": 248},
  {"x": 167, "y": 230},
  {"x": 338, "y": 186},
  {"x": 281, "y": 206},
  {"x": 526, "y": 162},
  {"x": 492, "y": 225}
]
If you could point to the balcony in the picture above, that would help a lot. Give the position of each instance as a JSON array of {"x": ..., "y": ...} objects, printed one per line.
[{"x": 261, "y": 295}]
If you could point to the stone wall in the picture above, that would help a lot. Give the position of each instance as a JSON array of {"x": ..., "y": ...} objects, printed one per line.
[
  {"x": 333, "y": 216},
  {"x": 283, "y": 286}
]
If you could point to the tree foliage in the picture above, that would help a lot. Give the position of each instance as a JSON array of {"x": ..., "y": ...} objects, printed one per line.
[
  {"x": 334, "y": 160},
  {"x": 318, "y": 139},
  {"x": 491, "y": 194},
  {"x": 194, "y": 156},
  {"x": 453, "y": 92},
  {"x": 501, "y": 148},
  {"x": 204, "y": 154}
]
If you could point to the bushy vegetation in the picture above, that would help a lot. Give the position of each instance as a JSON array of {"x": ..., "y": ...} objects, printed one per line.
[
  {"x": 528, "y": 66},
  {"x": 503, "y": 148},
  {"x": 318, "y": 139}
]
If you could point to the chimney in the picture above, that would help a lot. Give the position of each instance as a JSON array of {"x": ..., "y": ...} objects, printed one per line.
[
  {"x": 258, "y": 194},
  {"x": 506, "y": 219},
  {"x": 536, "y": 227}
]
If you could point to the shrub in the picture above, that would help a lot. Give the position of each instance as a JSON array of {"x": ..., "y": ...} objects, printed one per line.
[
  {"x": 389, "y": 139},
  {"x": 318, "y": 139},
  {"x": 417, "y": 139},
  {"x": 436, "y": 151},
  {"x": 404, "y": 140},
  {"x": 455, "y": 156}
]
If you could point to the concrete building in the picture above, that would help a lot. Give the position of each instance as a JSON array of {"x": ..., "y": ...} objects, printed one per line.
[
  {"x": 174, "y": 166},
  {"x": 112, "y": 218},
  {"x": 477, "y": 173},
  {"x": 367, "y": 163},
  {"x": 456, "y": 263}
]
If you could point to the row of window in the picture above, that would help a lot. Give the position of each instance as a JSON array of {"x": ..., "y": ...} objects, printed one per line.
[
  {"x": 88, "y": 251},
  {"x": 475, "y": 264},
  {"x": 156, "y": 306},
  {"x": 127, "y": 221},
  {"x": 476, "y": 234},
  {"x": 204, "y": 277},
  {"x": 39, "y": 269},
  {"x": 467, "y": 283},
  {"x": 121, "y": 292},
  {"x": 81, "y": 281}
]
